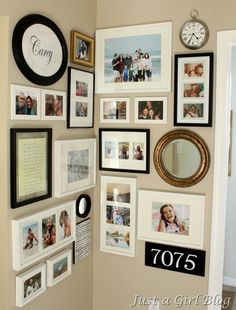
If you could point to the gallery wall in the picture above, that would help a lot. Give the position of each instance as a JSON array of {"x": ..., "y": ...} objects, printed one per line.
[
  {"x": 68, "y": 15},
  {"x": 117, "y": 279}
]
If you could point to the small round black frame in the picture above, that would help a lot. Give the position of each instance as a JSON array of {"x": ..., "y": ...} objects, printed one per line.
[
  {"x": 88, "y": 205},
  {"x": 17, "y": 48}
]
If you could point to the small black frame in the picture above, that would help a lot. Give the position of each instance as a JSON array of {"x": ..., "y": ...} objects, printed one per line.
[
  {"x": 19, "y": 51},
  {"x": 25, "y": 144},
  {"x": 193, "y": 84},
  {"x": 130, "y": 138},
  {"x": 87, "y": 208}
]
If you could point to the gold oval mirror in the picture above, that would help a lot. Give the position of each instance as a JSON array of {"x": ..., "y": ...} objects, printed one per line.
[{"x": 181, "y": 158}]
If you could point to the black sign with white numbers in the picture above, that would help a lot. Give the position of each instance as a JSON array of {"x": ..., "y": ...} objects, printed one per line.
[{"x": 174, "y": 258}]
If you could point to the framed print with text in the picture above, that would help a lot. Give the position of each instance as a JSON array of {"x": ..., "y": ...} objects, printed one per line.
[
  {"x": 31, "y": 164},
  {"x": 39, "y": 49},
  {"x": 81, "y": 49},
  {"x": 75, "y": 166},
  {"x": 125, "y": 150},
  {"x": 80, "y": 98},
  {"x": 30, "y": 285},
  {"x": 193, "y": 90},
  {"x": 171, "y": 218},
  {"x": 134, "y": 58},
  {"x": 118, "y": 209},
  {"x": 42, "y": 233}
]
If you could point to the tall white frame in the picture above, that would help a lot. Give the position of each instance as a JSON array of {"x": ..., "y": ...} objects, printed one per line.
[{"x": 225, "y": 41}]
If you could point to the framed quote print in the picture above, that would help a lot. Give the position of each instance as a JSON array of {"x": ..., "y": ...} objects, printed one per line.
[
  {"x": 39, "y": 49},
  {"x": 31, "y": 164},
  {"x": 193, "y": 89}
]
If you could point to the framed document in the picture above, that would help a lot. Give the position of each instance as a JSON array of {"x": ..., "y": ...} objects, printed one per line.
[{"x": 31, "y": 162}]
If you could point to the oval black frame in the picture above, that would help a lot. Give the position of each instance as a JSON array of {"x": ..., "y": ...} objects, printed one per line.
[
  {"x": 17, "y": 37},
  {"x": 88, "y": 200}
]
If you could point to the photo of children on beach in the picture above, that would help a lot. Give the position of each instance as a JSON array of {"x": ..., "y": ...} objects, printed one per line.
[
  {"x": 78, "y": 165},
  {"x": 195, "y": 70},
  {"x": 193, "y": 110},
  {"x": 30, "y": 237},
  {"x": 118, "y": 192},
  {"x": 32, "y": 285},
  {"x": 118, "y": 215},
  {"x": 60, "y": 267},
  {"x": 170, "y": 218},
  {"x": 118, "y": 237},
  {"x": 49, "y": 230},
  {"x": 113, "y": 109},
  {"x": 132, "y": 59}
]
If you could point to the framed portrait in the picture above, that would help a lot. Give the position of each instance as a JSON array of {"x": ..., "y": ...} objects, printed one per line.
[
  {"x": 193, "y": 90},
  {"x": 171, "y": 218},
  {"x": 125, "y": 150},
  {"x": 118, "y": 209},
  {"x": 40, "y": 234},
  {"x": 81, "y": 49},
  {"x": 80, "y": 98},
  {"x": 114, "y": 110},
  {"x": 53, "y": 105},
  {"x": 25, "y": 102},
  {"x": 75, "y": 166},
  {"x": 150, "y": 110},
  {"x": 134, "y": 59},
  {"x": 59, "y": 267},
  {"x": 30, "y": 284},
  {"x": 39, "y": 49},
  {"x": 31, "y": 165}
]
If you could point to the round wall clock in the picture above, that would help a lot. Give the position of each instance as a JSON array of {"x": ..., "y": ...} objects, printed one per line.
[
  {"x": 39, "y": 49},
  {"x": 194, "y": 33}
]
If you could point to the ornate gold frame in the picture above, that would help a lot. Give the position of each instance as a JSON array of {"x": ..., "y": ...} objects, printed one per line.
[{"x": 202, "y": 148}]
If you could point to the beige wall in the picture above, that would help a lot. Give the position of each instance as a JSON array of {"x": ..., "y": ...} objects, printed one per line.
[
  {"x": 116, "y": 278},
  {"x": 75, "y": 292}
]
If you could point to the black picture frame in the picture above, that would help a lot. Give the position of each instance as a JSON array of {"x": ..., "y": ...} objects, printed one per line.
[
  {"x": 133, "y": 161},
  {"x": 193, "y": 84},
  {"x": 80, "y": 98},
  {"x": 27, "y": 47},
  {"x": 35, "y": 145}
]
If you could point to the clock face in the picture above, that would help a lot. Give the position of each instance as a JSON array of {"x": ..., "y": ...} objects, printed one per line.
[{"x": 194, "y": 34}]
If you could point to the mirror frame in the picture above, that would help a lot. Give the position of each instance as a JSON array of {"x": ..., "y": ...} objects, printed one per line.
[
  {"x": 202, "y": 148},
  {"x": 88, "y": 207}
]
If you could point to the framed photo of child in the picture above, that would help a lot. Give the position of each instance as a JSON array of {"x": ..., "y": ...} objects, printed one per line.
[
  {"x": 41, "y": 234},
  {"x": 193, "y": 89},
  {"x": 171, "y": 218}
]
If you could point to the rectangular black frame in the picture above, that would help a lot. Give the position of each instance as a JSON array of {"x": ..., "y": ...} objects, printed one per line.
[
  {"x": 125, "y": 130},
  {"x": 208, "y": 80},
  {"x": 70, "y": 121},
  {"x": 13, "y": 165}
]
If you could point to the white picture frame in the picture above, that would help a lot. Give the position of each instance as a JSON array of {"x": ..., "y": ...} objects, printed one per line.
[
  {"x": 115, "y": 110},
  {"x": 187, "y": 231},
  {"x": 59, "y": 267},
  {"x": 152, "y": 39},
  {"x": 75, "y": 166},
  {"x": 30, "y": 284},
  {"x": 25, "y": 102},
  {"x": 150, "y": 110},
  {"x": 53, "y": 105},
  {"x": 118, "y": 214},
  {"x": 36, "y": 236}
]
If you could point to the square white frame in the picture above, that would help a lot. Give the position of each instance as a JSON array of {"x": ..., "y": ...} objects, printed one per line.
[
  {"x": 21, "y": 299},
  {"x": 62, "y": 148},
  {"x": 53, "y": 93},
  {"x": 161, "y": 85},
  {"x": 196, "y": 218},
  {"x": 150, "y": 121},
  {"x": 50, "y": 267},
  {"x": 124, "y": 229},
  {"x": 114, "y": 102},
  {"x": 20, "y": 226},
  {"x": 28, "y": 91}
]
